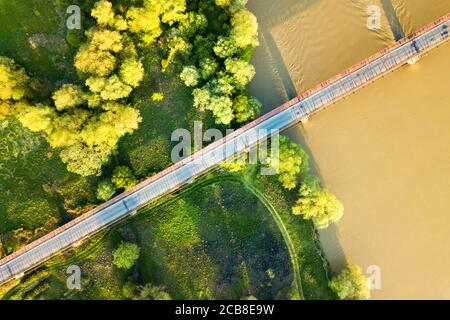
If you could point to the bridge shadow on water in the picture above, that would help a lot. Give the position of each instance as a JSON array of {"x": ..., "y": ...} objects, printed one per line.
[
  {"x": 394, "y": 22},
  {"x": 274, "y": 86}
]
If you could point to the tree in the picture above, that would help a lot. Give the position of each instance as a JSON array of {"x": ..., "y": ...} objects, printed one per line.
[
  {"x": 202, "y": 98},
  {"x": 37, "y": 119},
  {"x": 132, "y": 72},
  {"x": 318, "y": 205},
  {"x": 244, "y": 30},
  {"x": 14, "y": 81},
  {"x": 123, "y": 178},
  {"x": 225, "y": 47},
  {"x": 125, "y": 256},
  {"x": 241, "y": 71},
  {"x": 68, "y": 96},
  {"x": 236, "y": 164},
  {"x": 246, "y": 108},
  {"x": 190, "y": 76},
  {"x": 176, "y": 44},
  {"x": 103, "y": 13},
  {"x": 151, "y": 292},
  {"x": 145, "y": 20},
  {"x": 171, "y": 11},
  {"x": 223, "y": 3},
  {"x": 87, "y": 139},
  {"x": 84, "y": 160},
  {"x": 90, "y": 60},
  {"x": 96, "y": 84},
  {"x": 203, "y": 46},
  {"x": 289, "y": 163},
  {"x": 222, "y": 109},
  {"x": 105, "y": 190},
  {"x": 208, "y": 67},
  {"x": 222, "y": 84},
  {"x": 115, "y": 89},
  {"x": 5, "y": 110},
  {"x": 192, "y": 23},
  {"x": 105, "y": 40},
  {"x": 351, "y": 284}
]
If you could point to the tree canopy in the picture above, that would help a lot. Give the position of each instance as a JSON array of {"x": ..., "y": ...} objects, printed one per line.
[
  {"x": 14, "y": 80},
  {"x": 317, "y": 204},
  {"x": 105, "y": 190},
  {"x": 125, "y": 256},
  {"x": 351, "y": 284},
  {"x": 289, "y": 163},
  {"x": 123, "y": 178}
]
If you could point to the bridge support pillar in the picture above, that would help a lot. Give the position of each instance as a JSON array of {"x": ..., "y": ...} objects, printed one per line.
[
  {"x": 305, "y": 120},
  {"x": 133, "y": 213}
]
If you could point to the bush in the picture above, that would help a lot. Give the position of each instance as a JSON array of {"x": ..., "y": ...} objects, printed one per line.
[
  {"x": 123, "y": 178},
  {"x": 74, "y": 38},
  {"x": 351, "y": 284},
  {"x": 126, "y": 255},
  {"x": 158, "y": 96},
  {"x": 105, "y": 190},
  {"x": 318, "y": 205}
]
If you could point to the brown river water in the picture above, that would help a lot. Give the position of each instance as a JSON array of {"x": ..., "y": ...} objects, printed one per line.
[{"x": 384, "y": 151}]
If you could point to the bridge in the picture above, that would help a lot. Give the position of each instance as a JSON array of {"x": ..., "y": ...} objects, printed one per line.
[{"x": 407, "y": 50}]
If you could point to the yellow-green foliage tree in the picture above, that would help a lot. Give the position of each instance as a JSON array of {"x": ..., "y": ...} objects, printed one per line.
[
  {"x": 105, "y": 190},
  {"x": 190, "y": 76},
  {"x": 246, "y": 108},
  {"x": 289, "y": 163},
  {"x": 147, "y": 20},
  {"x": 123, "y": 178},
  {"x": 115, "y": 89},
  {"x": 14, "y": 80},
  {"x": 125, "y": 256},
  {"x": 241, "y": 70},
  {"x": 68, "y": 96},
  {"x": 244, "y": 30},
  {"x": 318, "y": 205},
  {"x": 14, "y": 84},
  {"x": 103, "y": 12},
  {"x": 132, "y": 72},
  {"x": 87, "y": 139},
  {"x": 92, "y": 61},
  {"x": 351, "y": 284},
  {"x": 86, "y": 126},
  {"x": 236, "y": 164}
]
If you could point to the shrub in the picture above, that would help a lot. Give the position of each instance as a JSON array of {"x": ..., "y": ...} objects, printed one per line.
[
  {"x": 351, "y": 284},
  {"x": 125, "y": 256},
  {"x": 105, "y": 190}
]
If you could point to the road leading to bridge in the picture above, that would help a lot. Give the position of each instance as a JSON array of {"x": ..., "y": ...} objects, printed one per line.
[{"x": 405, "y": 51}]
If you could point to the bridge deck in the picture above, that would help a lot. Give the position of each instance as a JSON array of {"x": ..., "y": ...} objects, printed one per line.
[{"x": 238, "y": 142}]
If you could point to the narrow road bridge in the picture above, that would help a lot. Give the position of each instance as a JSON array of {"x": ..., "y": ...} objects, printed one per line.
[{"x": 405, "y": 51}]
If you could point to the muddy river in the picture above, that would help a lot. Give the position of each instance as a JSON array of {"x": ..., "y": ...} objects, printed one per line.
[{"x": 384, "y": 151}]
